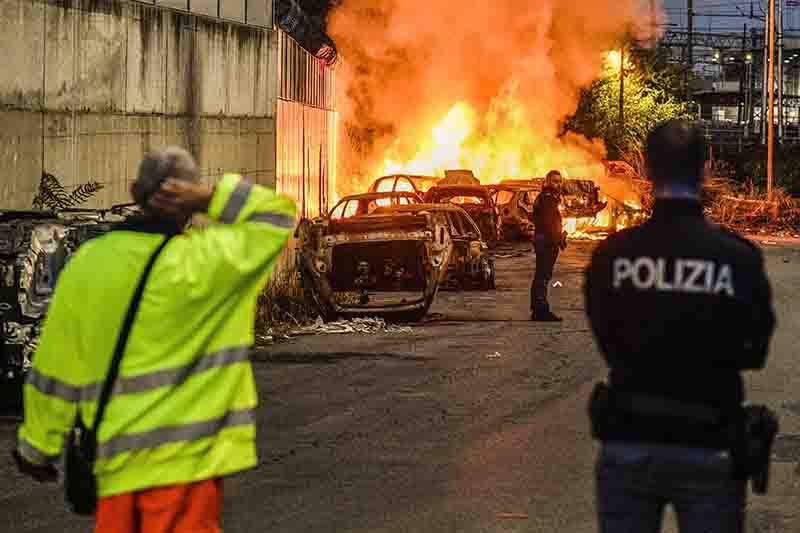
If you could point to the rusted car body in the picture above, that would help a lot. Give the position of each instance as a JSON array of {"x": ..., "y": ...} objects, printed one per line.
[
  {"x": 34, "y": 247},
  {"x": 580, "y": 197},
  {"x": 470, "y": 266},
  {"x": 515, "y": 209},
  {"x": 366, "y": 204},
  {"x": 390, "y": 262},
  {"x": 404, "y": 182},
  {"x": 475, "y": 200}
]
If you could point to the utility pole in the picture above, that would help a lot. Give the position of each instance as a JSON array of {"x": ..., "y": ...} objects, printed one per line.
[
  {"x": 689, "y": 46},
  {"x": 752, "y": 116},
  {"x": 771, "y": 114},
  {"x": 779, "y": 65},
  {"x": 742, "y": 80},
  {"x": 622, "y": 90},
  {"x": 765, "y": 77},
  {"x": 653, "y": 22}
]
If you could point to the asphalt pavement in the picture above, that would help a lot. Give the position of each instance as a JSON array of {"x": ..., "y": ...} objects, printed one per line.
[{"x": 473, "y": 422}]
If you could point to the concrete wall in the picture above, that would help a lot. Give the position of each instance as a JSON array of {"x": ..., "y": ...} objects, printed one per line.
[{"x": 89, "y": 85}]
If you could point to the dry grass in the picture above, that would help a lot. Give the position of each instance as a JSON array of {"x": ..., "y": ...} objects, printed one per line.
[
  {"x": 745, "y": 208},
  {"x": 282, "y": 306},
  {"x": 739, "y": 206}
]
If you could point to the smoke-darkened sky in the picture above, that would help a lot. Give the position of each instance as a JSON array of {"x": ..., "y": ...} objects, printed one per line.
[{"x": 726, "y": 15}]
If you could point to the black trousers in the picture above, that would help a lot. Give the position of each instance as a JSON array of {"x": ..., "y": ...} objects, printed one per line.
[{"x": 546, "y": 254}]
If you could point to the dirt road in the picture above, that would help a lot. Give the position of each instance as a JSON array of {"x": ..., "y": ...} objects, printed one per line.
[{"x": 435, "y": 432}]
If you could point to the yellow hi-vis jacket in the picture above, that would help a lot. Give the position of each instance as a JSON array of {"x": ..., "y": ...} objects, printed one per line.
[{"x": 184, "y": 403}]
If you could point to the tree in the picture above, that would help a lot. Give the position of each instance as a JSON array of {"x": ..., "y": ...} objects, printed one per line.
[{"x": 651, "y": 85}]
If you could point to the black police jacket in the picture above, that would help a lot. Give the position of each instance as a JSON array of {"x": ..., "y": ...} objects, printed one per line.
[
  {"x": 546, "y": 215},
  {"x": 679, "y": 308}
]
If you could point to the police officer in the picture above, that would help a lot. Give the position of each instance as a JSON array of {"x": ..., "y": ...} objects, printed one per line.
[
  {"x": 548, "y": 239},
  {"x": 679, "y": 308}
]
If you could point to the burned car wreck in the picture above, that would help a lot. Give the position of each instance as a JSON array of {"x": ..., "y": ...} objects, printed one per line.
[
  {"x": 404, "y": 183},
  {"x": 515, "y": 209},
  {"x": 475, "y": 200},
  {"x": 389, "y": 262},
  {"x": 34, "y": 247},
  {"x": 580, "y": 197}
]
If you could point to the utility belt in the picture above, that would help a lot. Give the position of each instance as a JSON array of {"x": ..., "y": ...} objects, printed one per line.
[{"x": 747, "y": 432}]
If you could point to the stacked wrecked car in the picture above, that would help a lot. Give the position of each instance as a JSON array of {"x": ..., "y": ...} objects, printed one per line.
[
  {"x": 389, "y": 251},
  {"x": 35, "y": 246},
  {"x": 388, "y": 254}
]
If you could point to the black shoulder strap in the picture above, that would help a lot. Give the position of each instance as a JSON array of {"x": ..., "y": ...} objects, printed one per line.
[{"x": 122, "y": 339}]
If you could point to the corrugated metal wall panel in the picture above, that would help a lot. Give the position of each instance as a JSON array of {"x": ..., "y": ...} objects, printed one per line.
[
  {"x": 306, "y": 147},
  {"x": 303, "y": 77},
  {"x": 306, "y": 127}
]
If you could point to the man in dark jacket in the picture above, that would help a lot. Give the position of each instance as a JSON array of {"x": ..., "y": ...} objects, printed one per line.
[
  {"x": 548, "y": 239},
  {"x": 679, "y": 308}
]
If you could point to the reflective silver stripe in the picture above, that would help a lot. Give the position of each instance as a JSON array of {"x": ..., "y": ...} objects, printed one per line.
[
  {"x": 170, "y": 434},
  {"x": 176, "y": 376},
  {"x": 173, "y": 376},
  {"x": 142, "y": 383},
  {"x": 31, "y": 453},
  {"x": 236, "y": 202},
  {"x": 54, "y": 387},
  {"x": 276, "y": 219}
]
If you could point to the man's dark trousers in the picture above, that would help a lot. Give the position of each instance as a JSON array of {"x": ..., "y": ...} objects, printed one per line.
[
  {"x": 546, "y": 254},
  {"x": 636, "y": 481}
]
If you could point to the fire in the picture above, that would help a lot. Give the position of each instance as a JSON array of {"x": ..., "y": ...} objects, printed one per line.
[
  {"x": 442, "y": 150},
  {"x": 613, "y": 61},
  {"x": 499, "y": 144}
]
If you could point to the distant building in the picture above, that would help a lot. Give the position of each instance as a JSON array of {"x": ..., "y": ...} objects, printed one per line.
[{"x": 727, "y": 89}]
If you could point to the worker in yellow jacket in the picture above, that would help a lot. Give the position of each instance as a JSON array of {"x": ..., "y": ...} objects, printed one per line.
[{"x": 182, "y": 411}]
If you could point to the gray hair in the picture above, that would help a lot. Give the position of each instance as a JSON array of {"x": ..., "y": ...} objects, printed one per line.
[{"x": 157, "y": 166}]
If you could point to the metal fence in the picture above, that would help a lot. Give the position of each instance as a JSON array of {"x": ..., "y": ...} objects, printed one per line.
[
  {"x": 303, "y": 77},
  {"x": 306, "y": 156},
  {"x": 306, "y": 127}
]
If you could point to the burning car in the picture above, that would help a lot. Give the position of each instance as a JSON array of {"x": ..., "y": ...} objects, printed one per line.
[
  {"x": 470, "y": 265},
  {"x": 366, "y": 204},
  {"x": 515, "y": 209},
  {"x": 404, "y": 182},
  {"x": 475, "y": 200},
  {"x": 391, "y": 261},
  {"x": 580, "y": 197}
]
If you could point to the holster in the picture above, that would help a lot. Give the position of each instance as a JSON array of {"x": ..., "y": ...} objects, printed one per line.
[
  {"x": 750, "y": 433},
  {"x": 602, "y": 415},
  {"x": 752, "y": 447}
]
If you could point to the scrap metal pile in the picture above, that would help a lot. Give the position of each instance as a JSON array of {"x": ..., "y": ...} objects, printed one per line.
[
  {"x": 34, "y": 247},
  {"x": 389, "y": 251}
]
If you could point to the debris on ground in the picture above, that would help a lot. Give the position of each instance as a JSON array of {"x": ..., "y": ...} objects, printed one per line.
[
  {"x": 512, "y": 254},
  {"x": 364, "y": 326},
  {"x": 745, "y": 209},
  {"x": 495, "y": 355},
  {"x": 264, "y": 340},
  {"x": 512, "y": 516}
]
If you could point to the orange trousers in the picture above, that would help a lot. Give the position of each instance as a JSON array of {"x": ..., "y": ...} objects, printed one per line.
[{"x": 194, "y": 507}]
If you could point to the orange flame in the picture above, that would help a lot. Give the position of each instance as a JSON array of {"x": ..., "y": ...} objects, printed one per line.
[{"x": 500, "y": 144}]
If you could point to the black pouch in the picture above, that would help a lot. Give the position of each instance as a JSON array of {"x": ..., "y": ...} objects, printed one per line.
[
  {"x": 602, "y": 412},
  {"x": 80, "y": 483}
]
